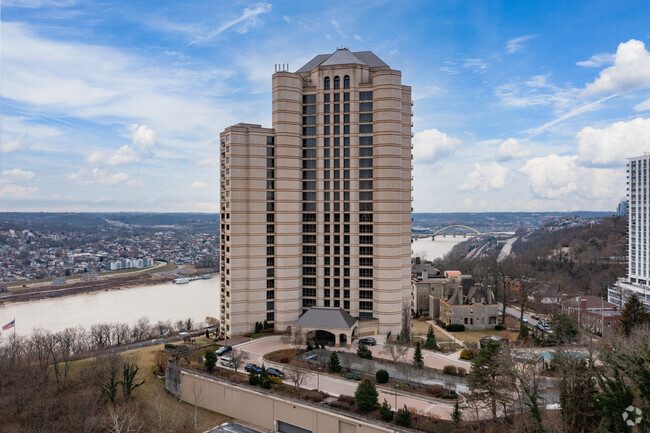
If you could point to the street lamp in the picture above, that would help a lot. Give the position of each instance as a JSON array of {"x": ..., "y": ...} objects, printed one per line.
[
  {"x": 318, "y": 379},
  {"x": 396, "y": 386}
]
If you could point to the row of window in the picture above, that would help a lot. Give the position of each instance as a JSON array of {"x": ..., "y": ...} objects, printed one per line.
[{"x": 270, "y": 228}]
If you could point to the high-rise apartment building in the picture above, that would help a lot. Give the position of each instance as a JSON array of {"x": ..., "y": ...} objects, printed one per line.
[
  {"x": 638, "y": 235},
  {"x": 316, "y": 211}
]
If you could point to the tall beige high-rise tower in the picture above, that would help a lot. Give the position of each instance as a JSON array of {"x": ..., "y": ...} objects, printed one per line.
[{"x": 317, "y": 210}]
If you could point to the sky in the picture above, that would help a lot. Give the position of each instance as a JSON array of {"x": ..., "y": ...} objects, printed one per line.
[{"x": 518, "y": 105}]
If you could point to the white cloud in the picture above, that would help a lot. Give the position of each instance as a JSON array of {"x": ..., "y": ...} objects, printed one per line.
[
  {"x": 21, "y": 142},
  {"x": 337, "y": 27},
  {"x": 485, "y": 177},
  {"x": 248, "y": 17},
  {"x": 100, "y": 177},
  {"x": 16, "y": 191},
  {"x": 199, "y": 185},
  {"x": 598, "y": 60},
  {"x": 144, "y": 136},
  {"x": 643, "y": 106},
  {"x": 121, "y": 156},
  {"x": 631, "y": 70},
  {"x": 611, "y": 146},
  {"x": 517, "y": 44},
  {"x": 555, "y": 177},
  {"x": 430, "y": 145},
  {"x": 511, "y": 149},
  {"x": 537, "y": 90},
  {"x": 16, "y": 174}
]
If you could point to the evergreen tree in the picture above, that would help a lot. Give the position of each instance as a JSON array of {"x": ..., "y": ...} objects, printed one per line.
[
  {"x": 403, "y": 417},
  {"x": 364, "y": 352},
  {"x": 488, "y": 381},
  {"x": 565, "y": 327},
  {"x": 334, "y": 365},
  {"x": 456, "y": 415},
  {"x": 523, "y": 332},
  {"x": 430, "y": 342},
  {"x": 210, "y": 360},
  {"x": 265, "y": 380},
  {"x": 386, "y": 411},
  {"x": 418, "y": 360},
  {"x": 365, "y": 397},
  {"x": 577, "y": 395},
  {"x": 634, "y": 314},
  {"x": 614, "y": 398}
]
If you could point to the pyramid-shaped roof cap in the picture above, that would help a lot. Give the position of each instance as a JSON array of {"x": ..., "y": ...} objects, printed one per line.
[
  {"x": 324, "y": 317},
  {"x": 343, "y": 56}
]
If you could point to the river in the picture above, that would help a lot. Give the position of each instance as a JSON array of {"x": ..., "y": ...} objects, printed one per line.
[
  {"x": 431, "y": 250},
  {"x": 167, "y": 301}
]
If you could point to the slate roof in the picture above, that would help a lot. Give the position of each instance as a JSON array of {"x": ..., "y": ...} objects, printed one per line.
[
  {"x": 344, "y": 56},
  {"x": 323, "y": 317}
]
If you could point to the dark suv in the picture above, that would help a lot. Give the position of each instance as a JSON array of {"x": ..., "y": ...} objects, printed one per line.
[
  {"x": 222, "y": 350},
  {"x": 368, "y": 341}
]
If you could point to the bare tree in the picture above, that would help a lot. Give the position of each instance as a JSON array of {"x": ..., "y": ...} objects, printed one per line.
[
  {"x": 120, "y": 333},
  {"x": 180, "y": 325},
  {"x": 296, "y": 375},
  {"x": 97, "y": 336},
  {"x": 405, "y": 334},
  {"x": 163, "y": 328},
  {"x": 297, "y": 335},
  {"x": 189, "y": 324},
  {"x": 238, "y": 358},
  {"x": 141, "y": 330},
  {"x": 123, "y": 420},
  {"x": 395, "y": 349}
]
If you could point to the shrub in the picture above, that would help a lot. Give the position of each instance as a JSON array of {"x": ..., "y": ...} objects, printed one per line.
[
  {"x": 210, "y": 360},
  {"x": 382, "y": 376},
  {"x": 276, "y": 380},
  {"x": 349, "y": 375},
  {"x": 169, "y": 346},
  {"x": 467, "y": 354},
  {"x": 265, "y": 325},
  {"x": 450, "y": 369},
  {"x": 436, "y": 389},
  {"x": 346, "y": 399},
  {"x": 314, "y": 396},
  {"x": 365, "y": 397},
  {"x": 386, "y": 412},
  {"x": 253, "y": 378},
  {"x": 364, "y": 352},
  {"x": 265, "y": 380},
  {"x": 285, "y": 360},
  {"x": 258, "y": 327},
  {"x": 334, "y": 365},
  {"x": 403, "y": 417},
  {"x": 462, "y": 372},
  {"x": 340, "y": 405},
  {"x": 207, "y": 334},
  {"x": 499, "y": 328},
  {"x": 309, "y": 346},
  {"x": 456, "y": 327}
]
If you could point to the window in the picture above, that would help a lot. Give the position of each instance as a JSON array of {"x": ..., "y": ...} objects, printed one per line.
[
  {"x": 364, "y": 239},
  {"x": 365, "y": 294},
  {"x": 365, "y": 96},
  {"x": 365, "y": 195},
  {"x": 308, "y": 109},
  {"x": 346, "y": 118},
  {"x": 365, "y": 117},
  {"x": 310, "y": 239},
  {"x": 326, "y": 119},
  {"x": 270, "y": 195},
  {"x": 327, "y": 97},
  {"x": 270, "y": 294},
  {"x": 365, "y": 129},
  {"x": 270, "y": 174},
  {"x": 309, "y": 186},
  {"x": 365, "y": 106},
  {"x": 270, "y": 305},
  {"x": 364, "y": 163},
  {"x": 337, "y": 97},
  {"x": 326, "y": 130},
  {"x": 270, "y": 239},
  {"x": 365, "y": 305},
  {"x": 310, "y": 163},
  {"x": 365, "y": 217},
  {"x": 310, "y": 130},
  {"x": 310, "y": 228},
  {"x": 309, "y": 249},
  {"x": 337, "y": 118},
  {"x": 363, "y": 272},
  {"x": 346, "y": 96},
  {"x": 270, "y": 207},
  {"x": 270, "y": 272},
  {"x": 270, "y": 162},
  {"x": 270, "y": 316},
  {"x": 326, "y": 83},
  {"x": 309, "y": 174},
  {"x": 327, "y": 108},
  {"x": 346, "y": 82},
  {"x": 364, "y": 151},
  {"x": 365, "y": 207},
  {"x": 365, "y": 284},
  {"x": 270, "y": 261},
  {"x": 337, "y": 82},
  {"x": 310, "y": 260},
  {"x": 308, "y": 99},
  {"x": 365, "y": 184},
  {"x": 308, "y": 303},
  {"x": 308, "y": 292},
  {"x": 270, "y": 151},
  {"x": 365, "y": 228},
  {"x": 270, "y": 184},
  {"x": 365, "y": 174},
  {"x": 309, "y": 217},
  {"x": 270, "y": 251},
  {"x": 308, "y": 281},
  {"x": 269, "y": 285},
  {"x": 270, "y": 228}
]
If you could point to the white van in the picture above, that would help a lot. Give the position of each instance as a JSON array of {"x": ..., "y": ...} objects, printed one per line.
[{"x": 227, "y": 362}]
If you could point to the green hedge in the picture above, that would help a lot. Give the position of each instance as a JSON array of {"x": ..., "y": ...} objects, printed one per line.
[{"x": 456, "y": 327}]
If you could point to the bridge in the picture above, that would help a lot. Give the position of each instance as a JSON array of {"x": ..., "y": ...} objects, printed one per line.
[{"x": 433, "y": 235}]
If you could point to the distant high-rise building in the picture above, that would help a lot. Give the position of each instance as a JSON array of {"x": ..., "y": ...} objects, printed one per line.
[
  {"x": 638, "y": 235},
  {"x": 316, "y": 211},
  {"x": 622, "y": 208}
]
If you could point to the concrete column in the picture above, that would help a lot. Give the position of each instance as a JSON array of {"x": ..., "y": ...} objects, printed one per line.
[{"x": 337, "y": 340}]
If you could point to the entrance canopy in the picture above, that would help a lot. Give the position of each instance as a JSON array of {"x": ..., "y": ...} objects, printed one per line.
[{"x": 334, "y": 320}]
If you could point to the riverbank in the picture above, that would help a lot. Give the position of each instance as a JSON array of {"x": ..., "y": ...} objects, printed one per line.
[{"x": 105, "y": 284}]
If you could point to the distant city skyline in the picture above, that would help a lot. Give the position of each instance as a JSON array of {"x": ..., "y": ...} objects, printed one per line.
[{"x": 118, "y": 106}]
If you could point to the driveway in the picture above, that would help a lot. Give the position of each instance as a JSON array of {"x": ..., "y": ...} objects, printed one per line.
[{"x": 336, "y": 386}]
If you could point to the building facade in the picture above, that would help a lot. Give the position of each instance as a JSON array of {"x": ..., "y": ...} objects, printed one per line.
[
  {"x": 316, "y": 211},
  {"x": 638, "y": 262}
]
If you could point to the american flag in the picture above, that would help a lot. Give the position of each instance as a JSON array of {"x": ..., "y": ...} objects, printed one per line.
[{"x": 9, "y": 325}]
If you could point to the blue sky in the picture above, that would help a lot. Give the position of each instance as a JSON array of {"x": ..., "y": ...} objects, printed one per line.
[{"x": 519, "y": 105}]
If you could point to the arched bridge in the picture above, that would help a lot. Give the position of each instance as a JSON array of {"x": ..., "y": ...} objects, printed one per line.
[{"x": 457, "y": 225}]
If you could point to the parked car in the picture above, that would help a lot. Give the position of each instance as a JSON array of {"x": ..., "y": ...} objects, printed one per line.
[
  {"x": 253, "y": 368},
  {"x": 274, "y": 372},
  {"x": 227, "y": 362},
  {"x": 535, "y": 316},
  {"x": 368, "y": 341},
  {"x": 525, "y": 320},
  {"x": 222, "y": 350}
]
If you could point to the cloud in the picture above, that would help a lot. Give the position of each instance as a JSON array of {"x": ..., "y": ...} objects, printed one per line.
[
  {"x": 248, "y": 17},
  {"x": 430, "y": 145},
  {"x": 598, "y": 60},
  {"x": 485, "y": 177},
  {"x": 16, "y": 191},
  {"x": 16, "y": 174},
  {"x": 537, "y": 90},
  {"x": 554, "y": 177},
  {"x": 517, "y": 44},
  {"x": 21, "y": 142},
  {"x": 611, "y": 146},
  {"x": 121, "y": 156},
  {"x": 511, "y": 149},
  {"x": 100, "y": 177},
  {"x": 631, "y": 70},
  {"x": 144, "y": 137},
  {"x": 337, "y": 27},
  {"x": 199, "y": 185}
]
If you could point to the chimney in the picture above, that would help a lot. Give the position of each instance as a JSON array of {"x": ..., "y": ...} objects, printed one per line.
[{"x": 425, "y": 275}]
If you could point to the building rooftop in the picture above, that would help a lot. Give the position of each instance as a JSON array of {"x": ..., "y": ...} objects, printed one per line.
[
  {"x": 323, "y": 317},
  {"x": 343, "y": 56}
]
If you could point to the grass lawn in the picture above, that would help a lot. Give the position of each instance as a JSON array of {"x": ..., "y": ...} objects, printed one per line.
[{"x": 470, "y": 336}]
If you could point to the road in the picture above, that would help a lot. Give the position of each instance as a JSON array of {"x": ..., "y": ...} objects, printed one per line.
[
  {"x": 507, "y": 248},
  {"x": 516, "y": 313},
  {"x": 336, "y": 386}
]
